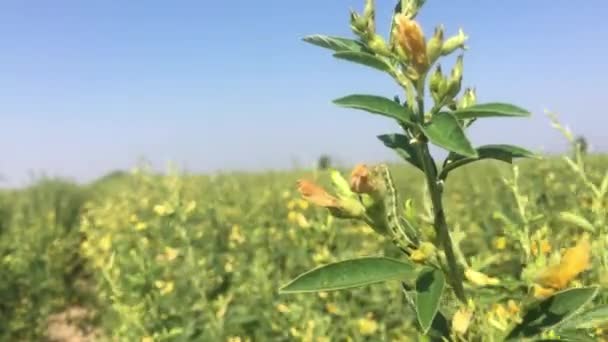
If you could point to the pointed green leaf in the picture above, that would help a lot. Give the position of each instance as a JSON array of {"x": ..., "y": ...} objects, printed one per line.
[
  {"x": 577, "y": 220},
  {"x": 589, "y": 319},
  {"x": 364, "y": 59},
  {"x": 350, "y": 274},
  {"x": 547, "y": 313},
  {"x": 429, "y": 288},
  {"x": 445, "y": 131},
  {"x": 401, "y": 145},
  {"x": 335, "y": 43},
  {"x": 505, "y": 153},
  {"x": 376, "y": 105},
  {"x": 489, "y": 110}
]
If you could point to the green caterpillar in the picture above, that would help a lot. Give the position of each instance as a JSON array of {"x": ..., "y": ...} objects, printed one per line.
[{"x": 401, "y": 230}]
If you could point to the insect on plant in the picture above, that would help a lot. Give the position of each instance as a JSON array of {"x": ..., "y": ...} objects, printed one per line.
[{"x": 450, "y": 298}]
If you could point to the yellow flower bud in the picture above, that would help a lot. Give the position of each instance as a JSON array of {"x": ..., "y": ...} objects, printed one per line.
[{"x": 410, "y": 38}]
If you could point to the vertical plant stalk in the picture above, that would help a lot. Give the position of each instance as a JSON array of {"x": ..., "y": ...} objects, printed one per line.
[{"x": 436, "y": 191}]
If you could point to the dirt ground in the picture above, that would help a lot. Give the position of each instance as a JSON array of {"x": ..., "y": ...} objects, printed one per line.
[{"x": 71, "y": 326}]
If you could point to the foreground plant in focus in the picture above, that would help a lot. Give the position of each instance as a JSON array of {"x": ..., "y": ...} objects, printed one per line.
[{"x": 451, "y": 296}]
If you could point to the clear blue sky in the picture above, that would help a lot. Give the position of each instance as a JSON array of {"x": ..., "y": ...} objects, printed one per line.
[{"x": 92, "y": 86}]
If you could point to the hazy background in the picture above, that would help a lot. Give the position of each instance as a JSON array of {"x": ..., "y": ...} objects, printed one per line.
[{"x": 92, "y": 86}]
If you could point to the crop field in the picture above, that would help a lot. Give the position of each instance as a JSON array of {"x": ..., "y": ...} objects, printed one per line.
[
  {"x": 185, "y": 257},
  {"x": 451, "y": 241}
]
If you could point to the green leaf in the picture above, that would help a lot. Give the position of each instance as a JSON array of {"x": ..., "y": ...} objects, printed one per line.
[
  {"x": 547, "y": 313},
  {"x": 445, "y": 131},
  {"x": 376, "y": 105},
  {"x": 576, "y": 220},
  {"x": 589, "y": 319},
  {"x": 489, "y": 110},
  {"x": 364, "y": 59},
  {"x": 350, "y": 274},
  {"x": 401, "y": 145},
  {"x": 429, "y": 288},
  {"x": 337, "y": 44},
  {"x": 505, "y": 153}
]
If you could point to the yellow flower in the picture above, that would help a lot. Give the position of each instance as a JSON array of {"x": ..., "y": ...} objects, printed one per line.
[
  {"x": 236, "y": 235},
  {"x": 169, "y": 255},
  {"x": 147, "y": 339},
  {"x": 367, "y": 326},
  {"x": 282, "y": 308},
  {"x": 500, "y": 243},
  {"x": 139, "y": 226},
  {"x": 292, "y": 204},
  {"x": 163, "y": 209},
  {"x": 480, "y": 279},
  {"x": 332, "y": 308},
  {"x": 411, "y": 39},
  {"x": 105, "y": 243},
  {"x": 323, "y": 295},
  {"x": 302, "y": 221},
  {"x": 292, "y": 216},
  {"x": 575, "y": 260},
  {"x": 303, "y": 204},
  {"x": 461, "y": 320},
  {"x": 190, "y": 207},
  {"x": 165, "y": 287}
]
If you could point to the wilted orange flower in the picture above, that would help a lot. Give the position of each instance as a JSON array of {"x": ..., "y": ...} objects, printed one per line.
[
  {"x": 316, "y": 194},
  {"x": 411, "y": 39},
  {"x": 360, "y": 181},
  {"x": 574, "y": 261}
]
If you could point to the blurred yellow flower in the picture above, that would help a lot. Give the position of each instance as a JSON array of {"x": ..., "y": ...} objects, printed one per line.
[
  {"x": 282, "y": 308},
  {"x": 303, "y": 204},
  {"x": 291, "y": 205},
  {"x": 575, "y": 260},
  {"x": 236, "y": 235},
  {"x": 302, "y": 221},
  {"x": 480, "y": 279},
  {"x": 105, "y": 243},
  {"x": 163, "y": 209},
  {"x": 323, "y": 294},
  {"x": 500, "y": 243},
  {"x": 165, "y": 287},
  {"x": 147, "y": 339},
  {"x": 292, "y": 216},
  {"x": 461, "y": 320},
  {"x": 139, "y": 226},
  {"x": 332, "y": 308},
  {"x": 190, "y": 207},
  {"x": 367, "y": 326},
  {"x": 168, "y": 255}
]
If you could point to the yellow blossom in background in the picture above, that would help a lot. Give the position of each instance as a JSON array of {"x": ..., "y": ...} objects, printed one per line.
[
  {"x": 165, "y": 287},
  {"x": 480, "y": 279},
  {"x": 322, "y": 255},
  {"x": 139, "y": 226},
  {"x": 302, "y": 221},
  {"x": 332, "y": 308},
  {"x": 543, "y": 246},
  {"x": 236, "y": 235},
  {"x": 574, "y": 261},
  {"x": 461, "y": 320},
  {"x": 169, "y": 254},
  {"x": 282, "y": 308},
  {"x": 163, "y": 209},
  {"x": 147, "y": 339},
  {"x": 303, "y": 204},
  {"x": 323, "y": 294},
  {"x": 500, "y": 243},
  {"x": 367, "y": 326},
  {"x": 292, "y": 216},
  {"x": 190, "y": 207},
  {"x": 291, "y": 205},
  {"x": 105, "y": 243}
]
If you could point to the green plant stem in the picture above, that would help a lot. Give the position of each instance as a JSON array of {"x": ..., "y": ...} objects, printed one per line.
[{"x": 436, "y": 191}]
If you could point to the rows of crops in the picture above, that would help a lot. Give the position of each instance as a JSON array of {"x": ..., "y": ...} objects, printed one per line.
[{"x": 183, "y": 257}]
